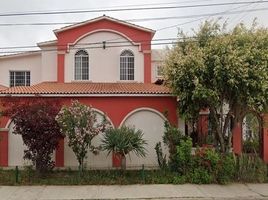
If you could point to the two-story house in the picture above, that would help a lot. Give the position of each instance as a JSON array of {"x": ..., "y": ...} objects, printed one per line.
[
  {"x": 108, "y": 64},
  {"x": 104, "y": 62}
]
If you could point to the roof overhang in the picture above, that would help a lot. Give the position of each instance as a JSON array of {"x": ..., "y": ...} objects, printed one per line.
[
  {"x": 104, "y": 17},
  {"x": 86, "y": 95},
  {"x": 21, "y": 54},
  {"x": 47, "y": 43}
]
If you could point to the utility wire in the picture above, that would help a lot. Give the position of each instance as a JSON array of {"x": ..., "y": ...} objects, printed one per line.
[
  {"x": 191, "y": 21},
  {"x": 142, "y": 19},
  {"x": 127, "y": 9},
  {"x": 94, "y": 47},
  {"x": 111, "y": 40},
  {"x": 92, "y": 43}
]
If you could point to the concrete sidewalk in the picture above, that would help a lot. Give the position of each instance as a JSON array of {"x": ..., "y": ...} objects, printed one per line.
[{"x": 187, "y": 191}]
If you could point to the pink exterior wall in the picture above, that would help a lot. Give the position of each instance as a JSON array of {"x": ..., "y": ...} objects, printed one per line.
[
  {"x": 136, "y": 35},
  {"x": 116, "y": 108}
]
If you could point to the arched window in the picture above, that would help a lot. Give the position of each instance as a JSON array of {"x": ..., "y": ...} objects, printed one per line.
[
  {"x": 126, "y": 65},
  {"x": 81, "y": 68}
]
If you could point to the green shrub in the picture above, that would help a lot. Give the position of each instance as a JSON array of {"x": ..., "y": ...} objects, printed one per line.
[
  {"x": 226, "y": 169},
  {"x": 172, "y": 138},
  {"x": 161, "y": 158},
  {"x": 183, "y": 156},
  {"x": 250, "y": 168},
  {"x": 179, "y": 179},
  {"x": 200, "y": 176}
]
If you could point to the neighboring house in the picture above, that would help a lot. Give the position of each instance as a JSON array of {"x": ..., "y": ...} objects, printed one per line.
[{"x": 108, "y": 64}]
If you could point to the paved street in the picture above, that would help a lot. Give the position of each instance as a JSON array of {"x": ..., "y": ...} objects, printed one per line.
[{"x": 181, "y": 192}]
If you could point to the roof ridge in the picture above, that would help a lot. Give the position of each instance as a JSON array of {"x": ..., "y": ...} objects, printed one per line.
[{"x": 100, "y": 18}]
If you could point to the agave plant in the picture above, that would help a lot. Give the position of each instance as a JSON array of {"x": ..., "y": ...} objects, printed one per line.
[{"x": 124, "y": 140}]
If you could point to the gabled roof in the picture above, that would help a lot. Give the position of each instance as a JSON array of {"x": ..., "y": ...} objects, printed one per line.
[
  {"x": 3, "y": 87},
  {"x": 88, "y": 89},
  {"x": 20, "y": 54},
  {"x": 101, "y": 18},
  {"x": 47, "y": 43}
]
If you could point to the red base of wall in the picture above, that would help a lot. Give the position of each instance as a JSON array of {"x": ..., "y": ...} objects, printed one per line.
[{"x": 4, "y": 148}]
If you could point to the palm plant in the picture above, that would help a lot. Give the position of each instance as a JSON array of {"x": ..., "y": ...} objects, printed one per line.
[{"x": 122, "y": 141}]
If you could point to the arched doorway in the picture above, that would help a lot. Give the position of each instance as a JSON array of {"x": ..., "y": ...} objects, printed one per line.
[
  {"x": 100, "y": 161},
  {"x": 151, "y": 123},
  {"x": 251, "y": 134}
]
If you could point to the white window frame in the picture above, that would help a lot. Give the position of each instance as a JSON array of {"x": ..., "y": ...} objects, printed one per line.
[
  {"x": 81, "y": 57},
  {"x": 157, "y": 70},
  {"x": 126, "y": 77},
  {"x": 26, "y": 83}
]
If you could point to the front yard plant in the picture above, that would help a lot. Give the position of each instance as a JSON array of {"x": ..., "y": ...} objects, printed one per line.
[
  {"x": 35, "y": 121},
  {"x": 78, "y": 123},
  {"x": 124, "y": 140}
]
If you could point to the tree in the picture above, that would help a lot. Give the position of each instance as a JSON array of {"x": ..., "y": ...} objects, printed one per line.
[
  {"x": 223, "y": 71},
  {"x": 122, "y": 141},
  {"x": 79, "y": 123},
  {"x": 35, "y": 121}
]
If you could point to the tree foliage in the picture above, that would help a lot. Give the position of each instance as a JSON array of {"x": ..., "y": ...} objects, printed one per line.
[
  {"x": 34, "y": 120},
  {"x": 123, "y": 141},
  {"x": 223, "y": 71},
  {"x": 79, "y": 123}
]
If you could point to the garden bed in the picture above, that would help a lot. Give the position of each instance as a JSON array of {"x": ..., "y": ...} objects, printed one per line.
[{"x": 96, "y": 177}]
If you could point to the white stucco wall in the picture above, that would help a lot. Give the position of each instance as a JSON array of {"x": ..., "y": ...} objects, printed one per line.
[
  {"x": 104, "y": 63},
  {"x": 152, "y": 126},
  {"x": 99, "y": 161},
  {"x": 49, "y": 64},
  {"x": 15, "y": 149},
  {"x": 30, "y": 63}
]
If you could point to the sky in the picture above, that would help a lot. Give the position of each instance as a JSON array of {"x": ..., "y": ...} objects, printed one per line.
[{"x": 30, "y": 35}]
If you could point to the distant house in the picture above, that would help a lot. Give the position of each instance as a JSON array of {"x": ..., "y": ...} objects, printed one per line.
[{"x": 103, "y": 62}]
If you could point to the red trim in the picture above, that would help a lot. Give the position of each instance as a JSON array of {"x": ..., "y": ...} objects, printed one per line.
[
  {"x": 4, "y": 148},
  {"x": 60, "y": 69},
  {"x": 202, "y": 127},
  {"x": 3, "y": 122},
  {"x": 136, "y": 35},
  {"x": 117, "y": 108},
  {"x": 265, "y": 138},
  {"x": 147, "y": 68},
  {"x": 237, "y": 138},
  {"x": 60, "y": 154},
  {"x": 116, "y": 159}
]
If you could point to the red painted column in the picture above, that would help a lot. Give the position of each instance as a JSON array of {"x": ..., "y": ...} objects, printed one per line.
[
  {"x": 202, "y": 126},
  {"x": 60, "y": 153},
  {"x": 147, "y": 67},
  {"x": 60, "y": 68},
  {"x": 265, "y": 138},
  {"x": 3, "y": 148},
  {"x": 237, "y": 138}
]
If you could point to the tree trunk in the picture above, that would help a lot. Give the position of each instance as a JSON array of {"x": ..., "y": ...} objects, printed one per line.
[{"x": 123, "y": 162}]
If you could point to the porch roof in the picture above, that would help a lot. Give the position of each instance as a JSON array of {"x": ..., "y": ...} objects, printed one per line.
[
  {"x": 2, "y": 87},
  {"x": 87, "y": 88}
]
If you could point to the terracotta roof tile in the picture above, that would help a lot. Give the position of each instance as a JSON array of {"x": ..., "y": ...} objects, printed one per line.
[
  {"x": 82, "y": 88},
  {"x": 2, "y": 87}
]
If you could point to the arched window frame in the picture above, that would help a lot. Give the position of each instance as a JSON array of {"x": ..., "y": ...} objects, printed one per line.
[
  {"x": 127, "y": 65},
  {"x": 81, "y": 65}
]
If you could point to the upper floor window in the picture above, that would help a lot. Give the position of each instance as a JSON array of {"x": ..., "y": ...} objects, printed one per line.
[
  {"x": 127, "y": 65},
  {"x": 19, "y": 78},
  {"x": 81, "y": 68},
  {"x": 159, "y": 71}
]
